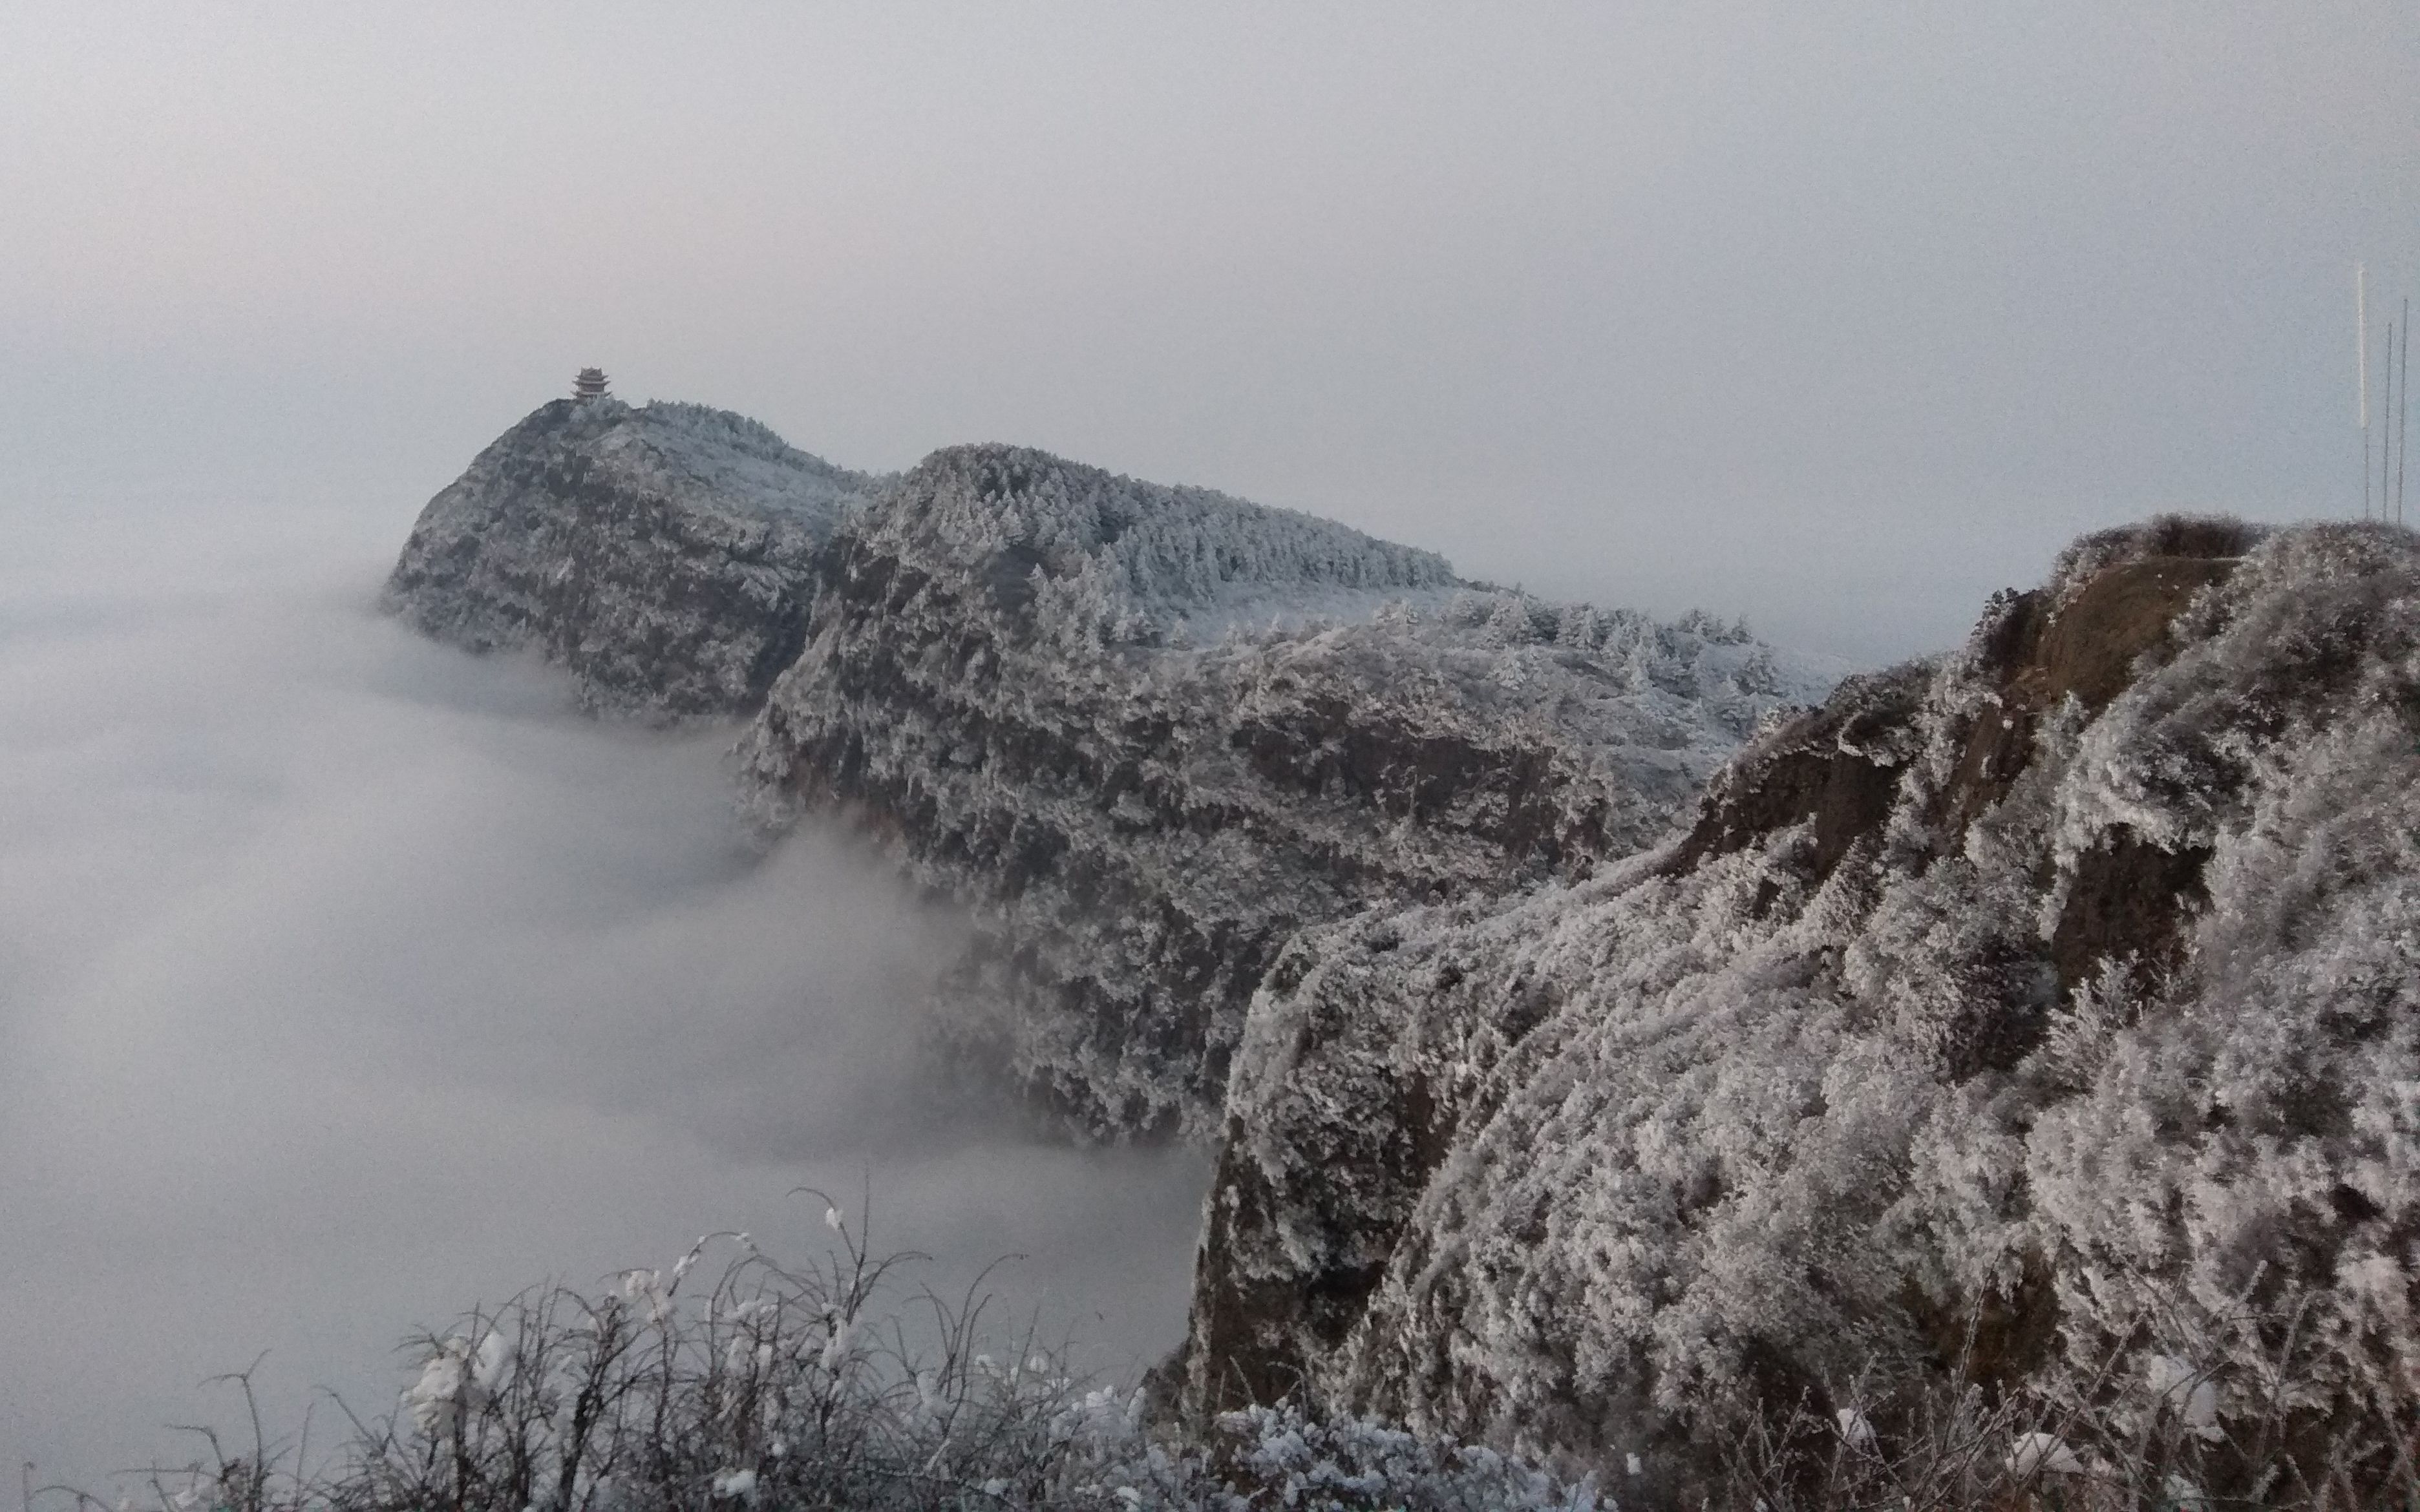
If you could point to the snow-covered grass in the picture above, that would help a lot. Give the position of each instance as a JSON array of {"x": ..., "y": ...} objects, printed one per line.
[
  {"x": 2146, "y": 1434},
  {"x": 729, "y": 1381}
]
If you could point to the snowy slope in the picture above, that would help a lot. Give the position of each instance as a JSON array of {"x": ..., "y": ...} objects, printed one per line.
[
  {"x": 663, "y": 555},
  {"x": 1145, "y": 733},
  {"x": 1131, "y": 561},
  {"x": 1012, "y": 675},
  {"x": 2047, "y": 1005}
]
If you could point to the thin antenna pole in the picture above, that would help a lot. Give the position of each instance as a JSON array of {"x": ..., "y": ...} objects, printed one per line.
[
  {"x": 2387, "y": 425},
  {"x": 2361, "y": 365},
  {"x": 2403, "y": 415},
  {"x": 2385, "y": 418}
]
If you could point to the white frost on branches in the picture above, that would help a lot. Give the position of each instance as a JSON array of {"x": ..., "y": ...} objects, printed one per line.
[{"x": 1691, "y": 1117}]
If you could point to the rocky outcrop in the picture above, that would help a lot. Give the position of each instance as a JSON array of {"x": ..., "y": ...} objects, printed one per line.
[
  {"x": 2046, "y": 1012},
  {"x": 1143, "y": 734},
  {"x": 1150, "y": 733},
  {"x": 664, "y": 556},
  {"x": 2043, "y": 1015}
]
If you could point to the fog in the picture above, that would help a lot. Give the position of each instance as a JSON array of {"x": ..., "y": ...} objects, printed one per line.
[
  {"x": 345, "y": 981},
  {"x": 1836, "y": 315},
  {"x": 350, "y": 981}
]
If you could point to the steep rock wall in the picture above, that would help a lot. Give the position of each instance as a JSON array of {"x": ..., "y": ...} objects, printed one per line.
[
  {"x": 2048, "y": 1012},
  {"x": 1143, "y": 733},
  {"x": 664, "y": 556},
  {"x": 1149, "y": 733}
]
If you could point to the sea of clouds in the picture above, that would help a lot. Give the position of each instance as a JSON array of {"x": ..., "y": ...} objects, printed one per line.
[{"x": 347, "y": 981}]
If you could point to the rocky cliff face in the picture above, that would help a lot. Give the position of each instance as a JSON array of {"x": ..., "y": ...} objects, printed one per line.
[
  {"x": 2047, "y": 1013},
  {"x": 664, "y": 556},
  {"x": 1149, "y": 733},
  {"x": 2043, "y": 1015},
  {"x": 1144, "y": 733}
]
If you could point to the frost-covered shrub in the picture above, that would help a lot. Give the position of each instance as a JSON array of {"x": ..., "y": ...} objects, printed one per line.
[
  {"x": 2071, "y": 981},
  {"x": 764, "y": 1386},
  {"x": 1273, "y": 1457},
  {"x": 2119, "y": 1439}
]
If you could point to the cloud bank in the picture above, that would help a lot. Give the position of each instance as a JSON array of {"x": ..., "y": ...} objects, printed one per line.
[{"x": 346, "y": 982}]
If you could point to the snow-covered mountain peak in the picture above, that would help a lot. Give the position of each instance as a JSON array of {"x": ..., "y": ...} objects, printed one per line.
[
  {"x": 1145, "y": 732},
  {"x": 710, "y": 457},
  {"x": 1134, "y": 559},
  {"x": 665, "y": 554}
]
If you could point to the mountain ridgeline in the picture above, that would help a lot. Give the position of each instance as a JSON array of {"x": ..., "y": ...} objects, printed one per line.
[
  {"x": 2043, "y": 1017},
  {"x": 1607, "y": 1036},
  {"x": 1143, "y": 735}
]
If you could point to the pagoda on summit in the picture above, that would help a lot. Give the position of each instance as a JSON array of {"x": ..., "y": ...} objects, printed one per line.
[{"x": 590, "y": 384}]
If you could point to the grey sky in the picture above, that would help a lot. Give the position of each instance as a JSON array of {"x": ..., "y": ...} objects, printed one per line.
[{"x": 1838, "y": 317}]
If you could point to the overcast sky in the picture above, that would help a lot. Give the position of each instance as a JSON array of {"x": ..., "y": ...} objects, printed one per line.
[
  {"x": 335, "y": 969},
  {"x": 1835, "y": 317}
]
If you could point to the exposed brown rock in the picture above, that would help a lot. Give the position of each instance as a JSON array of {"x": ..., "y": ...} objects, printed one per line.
[
  {"x": 1424, "y": 1089},
  {"x": 1838, "y": 765},
  {"x": 2087, "y": 644}
]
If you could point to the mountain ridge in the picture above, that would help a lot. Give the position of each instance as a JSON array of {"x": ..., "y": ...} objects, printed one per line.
[
  {"x": 1607, "y": 1043},
  {"x": 1143, "y": 733},
  {"x": 2042, "y": 1015}
]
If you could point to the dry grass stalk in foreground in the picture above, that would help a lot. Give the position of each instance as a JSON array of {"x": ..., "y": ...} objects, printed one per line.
[{"x": 779, "y": 1387}]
